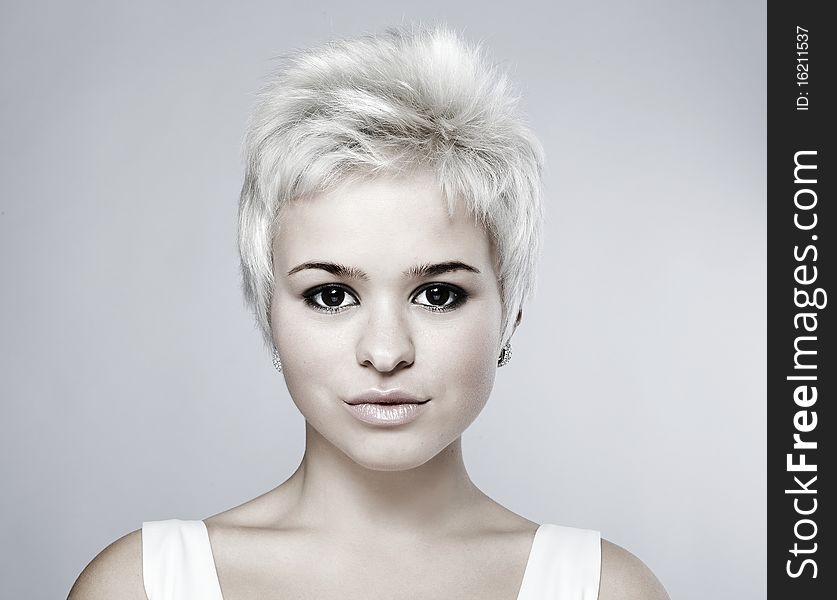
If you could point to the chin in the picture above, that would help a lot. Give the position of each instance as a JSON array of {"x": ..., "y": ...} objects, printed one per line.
[{"x": 397, "y": 454}]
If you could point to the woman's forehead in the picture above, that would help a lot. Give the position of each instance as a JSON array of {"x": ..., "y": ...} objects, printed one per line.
[{"x": 393, "y": 221}]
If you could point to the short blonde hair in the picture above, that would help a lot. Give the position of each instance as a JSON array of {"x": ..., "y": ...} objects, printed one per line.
[{"x": 411, "y": 98}]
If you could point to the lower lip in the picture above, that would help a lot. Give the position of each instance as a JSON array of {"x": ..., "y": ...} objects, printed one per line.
[{"x": 386, "y": 414}]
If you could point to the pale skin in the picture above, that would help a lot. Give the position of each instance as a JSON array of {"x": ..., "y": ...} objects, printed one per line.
[{"x": 377, "y": 287}]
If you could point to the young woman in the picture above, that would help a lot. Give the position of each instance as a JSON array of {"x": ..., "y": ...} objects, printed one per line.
[{"x": 389, "y": 229}]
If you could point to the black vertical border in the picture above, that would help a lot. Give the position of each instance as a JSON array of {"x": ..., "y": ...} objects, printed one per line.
[{"x": 798, "y": 120}]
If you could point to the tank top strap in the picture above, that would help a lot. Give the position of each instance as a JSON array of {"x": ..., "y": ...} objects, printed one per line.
[
  {"x": 564, "y": 564},
  {"x": 177, "y": 561}
]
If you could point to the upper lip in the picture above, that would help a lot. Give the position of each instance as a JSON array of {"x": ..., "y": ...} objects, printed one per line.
[{"x": 386, "y": 397}]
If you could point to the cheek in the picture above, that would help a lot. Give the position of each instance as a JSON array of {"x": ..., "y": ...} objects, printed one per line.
[
  {"x": 310, "y": 352},
  {"x": 467, "y": 367},
  {"x": 302, "y": 336}
]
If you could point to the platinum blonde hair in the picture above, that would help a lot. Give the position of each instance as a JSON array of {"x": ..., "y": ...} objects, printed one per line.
[{"x": 390, "y": 104}]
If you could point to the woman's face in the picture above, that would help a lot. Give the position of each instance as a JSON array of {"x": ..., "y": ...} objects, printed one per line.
[{"x": 381, "y": 296}]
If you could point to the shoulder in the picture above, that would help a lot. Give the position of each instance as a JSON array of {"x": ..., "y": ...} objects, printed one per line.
[
  {"x": 116, "y": 572},
  {"x": 625, "y": 577}
]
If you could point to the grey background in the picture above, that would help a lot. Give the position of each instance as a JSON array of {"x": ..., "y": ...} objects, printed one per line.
[{"x": 135, "y": 387}]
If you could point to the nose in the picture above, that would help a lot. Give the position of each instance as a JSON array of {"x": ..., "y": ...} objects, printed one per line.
[{"x": 386, "y": 342}]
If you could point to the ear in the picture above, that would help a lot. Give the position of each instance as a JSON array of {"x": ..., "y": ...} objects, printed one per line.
[{"x": 516, "y": 322}]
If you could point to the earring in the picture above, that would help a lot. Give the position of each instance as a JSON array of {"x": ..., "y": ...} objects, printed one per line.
[
  {"x": 276, "y": 362},
  {"x": 505, "y": 355}
]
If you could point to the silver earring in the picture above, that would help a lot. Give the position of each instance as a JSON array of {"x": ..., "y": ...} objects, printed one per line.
[
  {"x": 505, "y": 355},
  {"x": 276, "y": 362}
]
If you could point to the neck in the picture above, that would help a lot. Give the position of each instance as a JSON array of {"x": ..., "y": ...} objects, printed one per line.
[{"x": 332, "y": 491}]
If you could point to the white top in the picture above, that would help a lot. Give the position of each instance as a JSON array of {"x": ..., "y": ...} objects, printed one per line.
[{"x": 177, "y": 564}]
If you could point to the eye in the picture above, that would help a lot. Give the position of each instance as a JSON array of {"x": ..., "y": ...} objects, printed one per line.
[
  {"x": 440, "y": 297},
  {"x": 330, "y": 298}
]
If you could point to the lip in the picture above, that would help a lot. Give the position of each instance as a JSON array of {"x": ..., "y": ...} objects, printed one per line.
[
  {"x": 386, "y": 397},
  {"x": 386, "y": 408}
]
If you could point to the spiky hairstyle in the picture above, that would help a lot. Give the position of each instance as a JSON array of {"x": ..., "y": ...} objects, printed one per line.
[{"x": 412, "y": 98}]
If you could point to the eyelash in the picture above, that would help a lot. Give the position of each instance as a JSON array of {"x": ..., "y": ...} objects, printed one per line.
[{"x": 461, "y": 296}]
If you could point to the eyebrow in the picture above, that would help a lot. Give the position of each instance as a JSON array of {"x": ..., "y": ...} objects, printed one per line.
[
  {"x": 429, "y": 270},
  {"x": 425, "y": 270}
]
